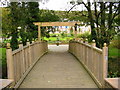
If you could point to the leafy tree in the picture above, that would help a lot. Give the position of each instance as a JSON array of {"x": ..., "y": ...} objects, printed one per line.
[
  {"x": 33, "y": 16},
  {"x": 22, "y": 14},
  {"x": 48, "y": 16},
  {"x": 102, "y": 32},
  {"x": 14, "y": 14},
  {"x": 6, "y": 21}
]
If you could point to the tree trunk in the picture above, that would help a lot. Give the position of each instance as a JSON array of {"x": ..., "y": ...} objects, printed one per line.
[
  {"x": 102, "y": 26},
  {"x": 93, "y": 33}
]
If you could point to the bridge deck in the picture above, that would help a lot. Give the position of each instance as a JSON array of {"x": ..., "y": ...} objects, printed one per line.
[{"x": 58, "y": 69}]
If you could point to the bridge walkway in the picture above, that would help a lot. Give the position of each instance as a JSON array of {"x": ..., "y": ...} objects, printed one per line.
[{"x": 58, "y": 69}]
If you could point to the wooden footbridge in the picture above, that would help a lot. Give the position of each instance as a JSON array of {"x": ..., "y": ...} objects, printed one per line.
[{"x": 39, "y": 65}]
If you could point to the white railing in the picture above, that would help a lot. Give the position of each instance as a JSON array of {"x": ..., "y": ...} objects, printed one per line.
[
  {"x": 94, "y": 60},
  {"x": 21, "y": 61}
]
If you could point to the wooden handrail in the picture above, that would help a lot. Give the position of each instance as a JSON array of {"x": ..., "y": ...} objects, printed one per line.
[
  {"x": 21, "y": 61},
  {"x": 5, "y": 83},
  {"x": 93, "y": 59}
]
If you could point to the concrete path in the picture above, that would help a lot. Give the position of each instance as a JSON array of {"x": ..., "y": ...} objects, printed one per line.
[{"x": 58, "y": 69}]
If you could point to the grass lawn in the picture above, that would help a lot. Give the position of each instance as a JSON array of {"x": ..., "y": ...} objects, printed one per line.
[
  {"x": 113, "y": 62},
  {"x": 60, "y": 38},
  {"x": 114, "y": 52},
  {"x": 2, "y": 56},
  {"x": 3, "y": 64}
]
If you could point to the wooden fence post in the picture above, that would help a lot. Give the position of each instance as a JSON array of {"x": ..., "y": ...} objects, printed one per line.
[
  {"x": 20, "y": 45},
  {"x": 81, "y": 40},
  {"x": 86, "y": 41},
  {"x": 32, "y": 41},
  {"x": 92, "y": 55},
  {"x": 93, "y": 43},
  {"x": 105, "y": 62},
  {"x": 10, "y": 62},
  {"x": 29, "y": 54}
]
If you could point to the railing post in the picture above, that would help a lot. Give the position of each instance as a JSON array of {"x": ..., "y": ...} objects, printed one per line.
[
  {"x": 20, "y": 45},
  {"x": 93, "y": 43},
  {"x": 28, "y": 42},
  {"x": 10, "y": 62},
  {"x": 81, "y": 40},
  {"x": 105, "y": 62},
  {"x": 92, "y": 55},
  {"x": 21, "y": 58},
  {"x": 86, "y": 41},
  {"x": 46, "y": 46},
  {"x": 29, "y": 51},
  {"x": 32, "y": 41}
]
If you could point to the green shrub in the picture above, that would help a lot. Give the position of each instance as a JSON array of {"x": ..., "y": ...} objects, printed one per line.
[
  {"x": 113, "y": 67},
  {"x": 3, "y": 63},
  {"x": 72, "y": 34},
  {"x": 2, "y": 45},
  {"x": 63, "y": 34},
  {"x": 115, "y": 43},
  {"x": 85, "y": 35}
]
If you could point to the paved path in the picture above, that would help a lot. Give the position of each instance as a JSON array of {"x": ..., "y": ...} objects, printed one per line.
[{"x": 58, "y": 69}]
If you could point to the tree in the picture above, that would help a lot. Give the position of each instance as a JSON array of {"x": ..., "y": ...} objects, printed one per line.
[
  {"x": 102, "y": 32},
  {"x": 32, "y": 16},
  {"x": 47, "y": 16},
  {"x": 23, "y": 14},
  {"x": 6, "y": 21},
  {"x": 14, "y": 14}
]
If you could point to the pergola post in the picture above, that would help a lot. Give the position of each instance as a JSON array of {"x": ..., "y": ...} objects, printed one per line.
[
  {"x": 75, "y": 30},
  {"x": 75, "y": 34},
  {"x": 39, "y": 33},
  {"x": 43, "y": 24}
]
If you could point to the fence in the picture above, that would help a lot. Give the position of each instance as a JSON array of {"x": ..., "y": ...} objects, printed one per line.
[
  {"x": 20, "y": 61},
  {"x": 92, "y": 58}
]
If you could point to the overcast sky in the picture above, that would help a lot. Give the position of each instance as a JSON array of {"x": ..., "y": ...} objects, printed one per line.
[{"x": 63, "y": 5}]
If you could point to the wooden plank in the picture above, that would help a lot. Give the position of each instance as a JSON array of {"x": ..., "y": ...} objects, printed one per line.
[
  {"x": 56, "y": 23},
  {"x": 113, "y": 82},
  {"x": 5, "y": 82}
]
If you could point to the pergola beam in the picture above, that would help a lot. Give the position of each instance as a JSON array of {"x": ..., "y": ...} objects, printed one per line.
[
  {"x": 43, "y": 24},
  {"x": 56, "y": 23}
]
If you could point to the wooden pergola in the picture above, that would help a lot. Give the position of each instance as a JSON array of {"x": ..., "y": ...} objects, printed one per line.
[{"x": 43, "y": 24}]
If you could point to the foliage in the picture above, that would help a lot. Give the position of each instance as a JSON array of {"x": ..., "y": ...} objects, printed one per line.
[
  {"x": 85, "y": 36},
  {"x": 6, "y": 21},
  {"x": 14, "y": 15},
  {"x": 102, "y": 20},
  {"x": 114, "y": 59},
  {"x": 48, "y": 16},
  {"x": 3, "y": 62},
  {"x": 113, "y": 67},
  {"x": 72, "y": 16},
  {"x": 63, "y": 34},
  {"x": 115, "y": 43},
  {"x": 2, "y": 45},
  {"x": 32, "y": 16},
  {"x": 44, "y": 32},
  {"x": 21, "y": 14},
  {"x": 114, "y": 52},
  {"x": 61, "y": 39}
]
